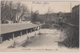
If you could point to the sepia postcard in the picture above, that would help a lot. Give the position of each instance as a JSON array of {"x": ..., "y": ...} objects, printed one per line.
[{"x": 39, "y": 26}]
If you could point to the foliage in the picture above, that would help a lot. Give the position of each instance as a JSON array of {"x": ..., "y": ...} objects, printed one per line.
[
  {"x": 72, "y": 32},
  {"x": 9, "y": 11}
]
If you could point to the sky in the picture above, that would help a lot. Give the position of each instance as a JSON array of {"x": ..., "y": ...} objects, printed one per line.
[{"x": 51, "y": 6}]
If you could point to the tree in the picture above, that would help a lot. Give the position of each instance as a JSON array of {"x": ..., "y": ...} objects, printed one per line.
[
  {"x": 10, "y": 11},
  {"x": 35, "y": 16},
  {"x": 23, "y": 10}
]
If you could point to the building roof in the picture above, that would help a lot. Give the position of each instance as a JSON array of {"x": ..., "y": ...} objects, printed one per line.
[{"x": 7, "y": 28}]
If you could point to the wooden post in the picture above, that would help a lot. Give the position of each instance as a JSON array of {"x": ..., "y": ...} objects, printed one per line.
[
  {"x": 1, "y": 38},
  {"x": 26, "y": 34},
  {"x": 12, "y": 35},
  {"x": 31, "y": 30},
  {"x": 26, "y": 31},
  {"x": 37, "y": 28},
  {"x": 20, "y": 33},
  {"x": 34, "y": 29},
  {"x": 14, "y": 43}
]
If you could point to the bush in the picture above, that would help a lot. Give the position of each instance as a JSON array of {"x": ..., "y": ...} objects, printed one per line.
[{"x": 72, "y": 34}]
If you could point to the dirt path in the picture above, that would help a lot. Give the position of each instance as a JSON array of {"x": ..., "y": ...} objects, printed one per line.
[{"x": 47, "y": 39}]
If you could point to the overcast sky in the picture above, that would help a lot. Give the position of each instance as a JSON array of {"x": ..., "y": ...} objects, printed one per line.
[{"x": 52, "y": 6}]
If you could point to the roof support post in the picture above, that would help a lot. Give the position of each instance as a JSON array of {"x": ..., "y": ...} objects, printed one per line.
[
  {"x": 12, "y": 35},
  {"x": 31, "y": 30},
  {"x": 1, "y": 39},
  {"x": 20, "y": 33},
  {"x": 26, "y": 31}
]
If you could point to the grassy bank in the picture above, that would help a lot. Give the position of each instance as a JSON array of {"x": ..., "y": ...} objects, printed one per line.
[{"x": 72, "y": 37}]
